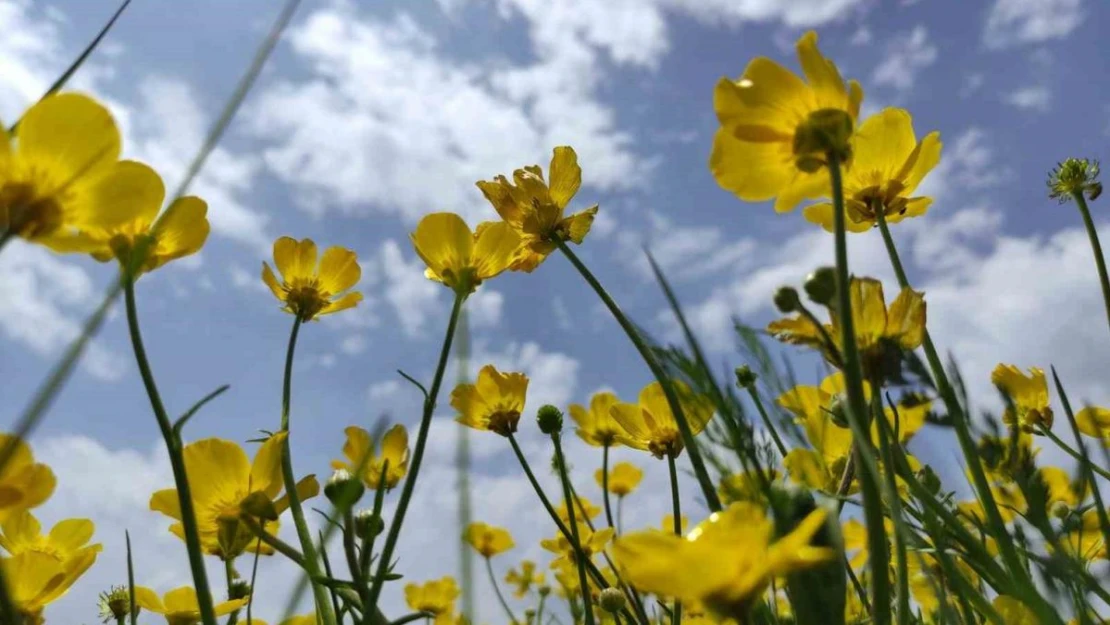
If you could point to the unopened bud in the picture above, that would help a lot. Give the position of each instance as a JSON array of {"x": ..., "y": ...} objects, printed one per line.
[
  {"x": 343, "y": 489},
  {"x": 745, "y": 377},
  {"x": 550, "y": 419},
  {"x": 820, "y": 286},
  {"x": 239, "y": 589},
  {"x": 544, "y": 590},
  {"x": 368, "y": 525},
  {"x": 1060, "y": 510},
  {"x": 786, "y": 299},
  {"x": 838, "y": 410},
  {"x": 611, "y": 600}
]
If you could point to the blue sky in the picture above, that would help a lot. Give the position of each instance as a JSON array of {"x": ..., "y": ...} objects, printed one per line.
[{"x": 370, "y": 116}]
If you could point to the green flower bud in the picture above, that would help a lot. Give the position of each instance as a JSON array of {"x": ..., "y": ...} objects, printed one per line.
[
  {"x": 1072, "y": 176},
  {"x": 611, "y": 600},
  {"x": 1060, "y": 510},
  {"x": 368, "y": 525},
  {"x": 343, "y": 489},
  {"x": 786, "y": 300},
  {"x": 745, "y": 377},
  {"x": 240, "y": 589},
  {"x": 820, "y": 285},
  {"x": 114, "y": 603},
  {"x": 929, "y": 479},
  {"x": 838, "y": 410},
  {"x": 550, "y": 419}
]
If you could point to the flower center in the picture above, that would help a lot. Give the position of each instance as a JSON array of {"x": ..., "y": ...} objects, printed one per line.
[
  {"x": 306, "y": 300},
  {"x": 28, "y": 213},
  {"x": 504, "y": 422}
]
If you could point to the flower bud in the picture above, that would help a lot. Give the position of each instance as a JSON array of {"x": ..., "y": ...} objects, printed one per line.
[
  {"x": 1074, "y": 176},
  {"x": 343, "y": 489},
  {"x": 1060, "y": 510},
  {"x": 368, "y": 525},
  {"x": 745, "y": 377},
  {"x": 929, "y": 479},
  {"x": 239, "y": 589},
  {"x": 550, "y": 419},
  {"x": 820, "y": 286},
  {"x": 544, "y": 590},
  {"x": 114, "y": 604},
  {"x": 823, "y": 132},
  {"x": 838, "y": 410},
  {"x": 786, "y": 299},
  {"x": 611, "y": 600}
]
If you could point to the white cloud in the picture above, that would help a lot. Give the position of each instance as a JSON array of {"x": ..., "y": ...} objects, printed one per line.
[
  {"x": 553, "y": 376},
  {"x": 1015, "y": 22},
  {"x": 967, "y": 167},
  {"x": 682, "y": 252},
  {"x": 354, "y": 344},
  {"x": 862, "y": 36},
  {"x": 44, "y": 302},
  {"x": 971, "y": 84},
  {"x": 906, "y": 55},
  {"x": 383, "y": 390},
  {"x": 414, "y": 298},
  {"x": 484, "y": 308},
  {"x": 1035, "y": 98}
]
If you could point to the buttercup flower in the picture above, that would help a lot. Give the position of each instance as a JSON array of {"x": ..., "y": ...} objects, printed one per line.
[
  {"x": 181, "y": 231},
  {"x": 534, "y": 208},
  {"x": 459, "y": 259},
  {"x": 61, "y": 175},
  {"x": 308, "y": 289},
  {"x": 1094, "y": 421},
  {"x": 815, "y": 409},
  {"x": 36, "y": 578},
  {"x": 24, "y": 483},
  {"x": 775, "y": 128},
  {"x": 1085, "y": 541},
  {"x": 494, "y": 402},
  {"x": 524, "y": 579},
  {"x": 726, "y": 562},
  {"x": 583, "y": 510},
  {"x": 877, "y": 327},
  {"x": 359, "y": 446},
  {"x": 67, "y": 540},
  {"x": 650, "y": 425},
  {"x": 226, "y": 485},
  {"x": 487, "y": 539},
  {"x": 596, "y": 424},
  {"x": 624, "y": 477},
  {"x": 592, "y": 542},
  {"x": 1029, "y": 395},
  {"x": 436, "y": 597},
  {"x": 302, "y": 619},
  {"x": 1062, "y": 488},
  {"x": 887, "y": 165},
  {"x": 179, "y": 605}
]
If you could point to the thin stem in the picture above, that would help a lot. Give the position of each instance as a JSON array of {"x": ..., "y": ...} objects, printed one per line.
[
  {"x": 579, "y": 555},
  {"x": 676, "y": 507},
  {"x": 417, "y": 458},
  {"x": 708, "y": 491},
  {"x": 1073, "y": 453},
  {"x": 132, "y": 612},
  {"x": 278, "y": 544},
  {"x": 177, "y": 461},
  {"x": 539, "y": 610},
  {"x": 311, "y": 557},
  {"x": 352, "y": 556},
  {"x": 902, "y": 594},
  {"x": 497, "y": 589},
  {"x": 367, "y": 554},
  {"x": 254, "y": 578},
  {"x": 879, "y": 560},
  {"x": 767, "y": 420},
  {"x": 620, "y": 510},
  {"x": 339, "y": 610},
  {"x": 605, "y": 484},
  {"x": 846, "y": 479},
  {"x": 229, "y": 572},
  {"x": 1096, "y": 247}
]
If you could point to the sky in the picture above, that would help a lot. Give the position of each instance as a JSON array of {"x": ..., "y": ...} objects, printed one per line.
[{"x": 370, "y": 115}]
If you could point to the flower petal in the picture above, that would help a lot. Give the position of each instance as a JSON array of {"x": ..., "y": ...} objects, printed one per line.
[
  {"x": 444, "y": 242},
  {"x": 147, "y": 599},
  {"x": 1094, "y": 421},
  {"x": 349, "y": 300},
  {"x": 768, "y": 98},
  {"x": 166, "y": 502},
  {"x": 69, "y": 134},
  {"x": 566, "y": 175},
  {"x": 578, "y": 224},
  {"x": 495, "y": 243},
  {"x": 822, "y": 74},
  {"x": 182, "y": 230},
  {"x": 72, "y": 534},
  {"x": 266, "y": 467},
  {"x": 822, "y": 215},
  {"x": 339, "y": 270},
  {"x": 753, "y": 171},
  {"x": 271, "y": 281},
  {"x": 906, "y": 319},
  {"x": 123, "y": 192},
  {"x": 883, "y": 143}
]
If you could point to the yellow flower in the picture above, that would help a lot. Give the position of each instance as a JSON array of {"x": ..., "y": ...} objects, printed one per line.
[
  {"x": 668, "y": 523},
  {"x": 650, "y": 425},
  {"x": 494, "y": 402},
  {"x": 762, "y": 151},
  {"x": 1061, "y": 488},
  {"x": 24, "y": 483},
  {"x": 66, "y": 541},
  {"x": 308, "y": 289},
  {"x": 592, "y": 542},
  {"x": 1007, "y": 496},
  {"x": 925, "y": 572},
  {"x": 1029, "y": 395},
  {"x": 817, "y": 409},
  {"x": 180, "y": 606},
  {"x": 180, "y": 231},
  {"x": 1013, "y": 611},
  {"x": 583, "y": 509},
  {"x": 1094, "y": 421},
  {"x": 524, "y": 579},
  {"x": 624, "y": 477},
  {"x": 726, "y": 562},
  {"x": 535, "y": 208},
  {"x": 596, "y": 425},
  {"x": 37, "y": 578},
  {"x": 487, "y": 539},
  {"x": 436, "y": 597},
  {"x": 1086, "y": 541},
  {"x": 61, "y": 176},
  {"x": 902, "y": 325},
  {"x": 359, "y": 450},
  {"x": 302, "y": 619},
  {"x": 224, "y": 485},
  {"x": 887, "y": 165},
  {"x": 459, "y": 259}
]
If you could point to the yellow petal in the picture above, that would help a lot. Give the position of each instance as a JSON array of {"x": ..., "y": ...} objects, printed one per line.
[
  {"x": 821, "y": 73},
  {"x": 183, "y": 599},
  {"x": 266, "y": 467},
  {"x": 753, "y": 171},
  {"x": 349, "y": 300},
  {"x": 147, "y": 599},
  {"x": 802, "y": 187},
  {"x": 182, "y": 230},
  {"x": 271, "y": 281},
  {"x": 768, "y": 99},
  {"x": 216, "y": 468},
  {"x": 71, "y": 534},
  {"x": 631, "y": 419},
  {"x": 122, "y": 193},
  {"x": 71, "y": 134},
  {"x": 915, "y": 207},
  {"x": 339, "y": 270},
  {"x": 494, "y": 246},
  {"x": 285, "y": 250},
  {"x": 868, "y": 311},
  {"x": 1094, "y": 421},
  {"x": 1013, "y": 611},
  {"x": 444, "y": 242},
  {"x": 578, "y": 225},
  {"x": 883, "y": 143},
  {"x": 802, "y": 401},
  {"x": 669, "y": 565},
  {"x": 227, "y": 607},
  {"x": 500, "y": 196},
  {"x": 358, "y": 446},
  {"x": 906, "y": 319},
  {"x": 395, "y": 445},
  {"x": 566, "y": 175},
  {"x": 166, "y": 502},
  {"x": 921, "y": 162},
  {"x": 805, "y": 467}
]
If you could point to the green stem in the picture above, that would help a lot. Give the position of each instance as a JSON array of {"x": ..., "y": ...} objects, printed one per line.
[
  {"x": 879, "y": 561},
  {"x": 352, "y": 556},
  {"x": 278, "y": 544},
  {"x": 605, "y": 484},
  {"x": 767, "y": 420},
  {"x": 579, "y": 555},
  {"x": 368, "y": 544},
  {"x": 1084, "y": 462},
  {"x": 676, "y": 508},
  {"x": 995, "y": 523},
  {"x": 417, "y": 457},
  {"x": 500, "y": 597},
  {"x": 339, "y": 610},
  {"x": 620, "y": 510},
  {"x": 311, "y": 557},
  {"x": 1096, "y": 247},
  {"x": 229, "y": 572},
  {"x": 894, "y": 503},
  {"x": 177, "y": 461},
  {"x": 539, "y": 610},
  {"x": 254, "y": 578},
  {"x": 708, "y": 491}
]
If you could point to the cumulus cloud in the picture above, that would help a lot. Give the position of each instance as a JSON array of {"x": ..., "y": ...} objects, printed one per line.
[
  {"x": 906, "y": 55},
  {"x": 1036, "y": 98},
  {"x": 1015, "y": 22},
  {"x": 682, "y": 252}
]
